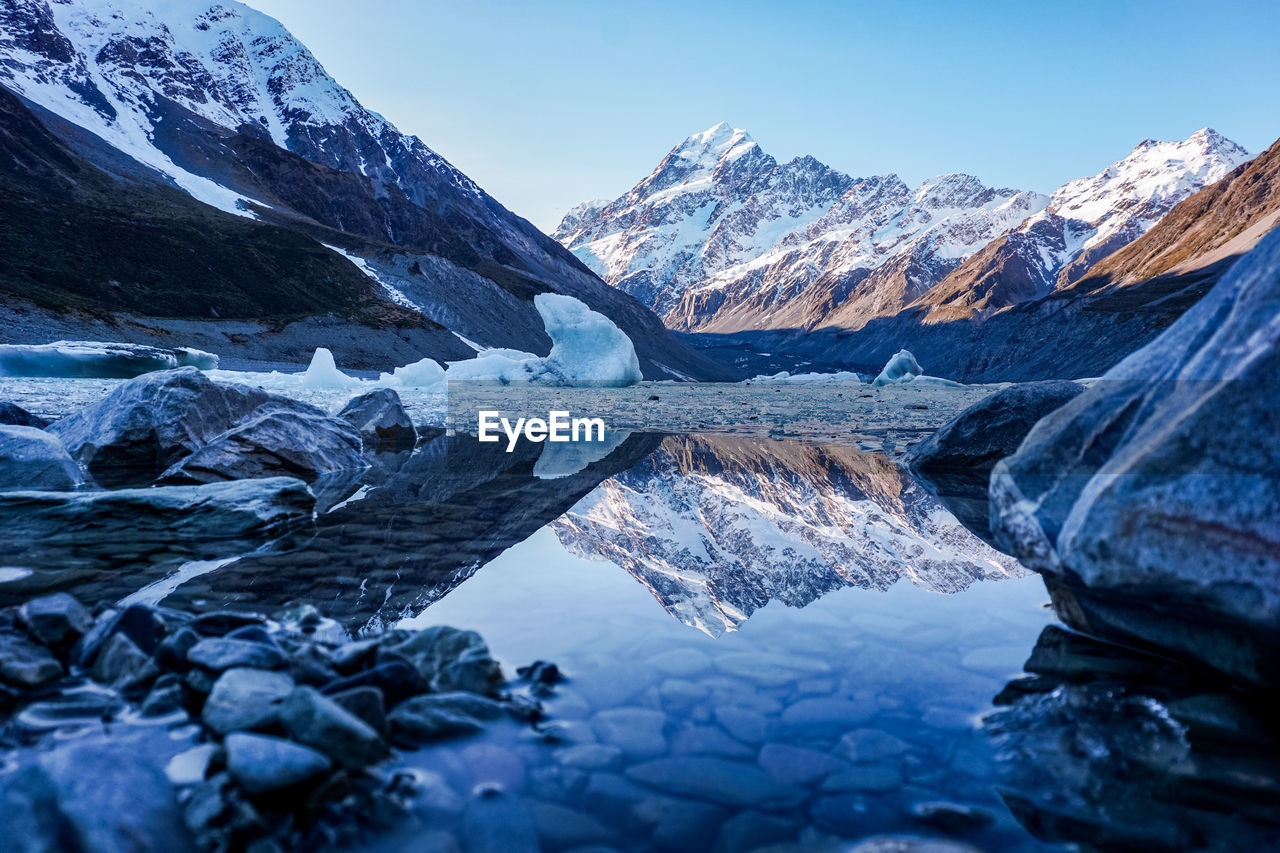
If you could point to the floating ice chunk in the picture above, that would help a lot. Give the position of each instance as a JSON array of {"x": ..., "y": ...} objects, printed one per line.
[
  {"x": 420, "y": 374},
  {"x": 497, "y": 365},
  {"x": 323, "y": 373},
  {"x": 587, "y": 348},
  {"x": 903, "y": 366},
  {"x": 935, "y": 382},
  {"x": 97, "y": 359},
  {"x": 784, "y": 376}
]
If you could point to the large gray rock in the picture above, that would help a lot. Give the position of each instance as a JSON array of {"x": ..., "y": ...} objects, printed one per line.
[
  {"x": 1151, "y": 503},
  {"x": 955, "y": 462},
  {"x": 295, "y": 444},
  {"x": 91, "y": 795},
  {"x": 33, "y": 459},
  {"x": 381, "y": 420},
  {"x": 449, "y": 659},
  {"x": 147, "y": 424},
  {"x": 24, "y": 663}
]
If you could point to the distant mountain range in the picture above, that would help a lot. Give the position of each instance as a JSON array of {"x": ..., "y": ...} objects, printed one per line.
[
  {"x": 720, "y": 237},
  {"x": 119, "y": 102}
]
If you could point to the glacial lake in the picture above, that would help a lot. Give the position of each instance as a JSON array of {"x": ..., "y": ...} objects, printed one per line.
[{"x": 764, "y": 642}]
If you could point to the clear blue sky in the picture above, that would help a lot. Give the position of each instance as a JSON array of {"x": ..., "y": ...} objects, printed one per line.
[{"x": 548, "y": 104}]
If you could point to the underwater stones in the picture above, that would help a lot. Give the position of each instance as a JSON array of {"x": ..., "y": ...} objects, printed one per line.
[
  {"x": 870, "y": 745},
  {"x": 636, "y": 731},
  {"x": 245, "y": 699},
  {"x": 743, "y": 724},
  {"x": 317, "y": 721},
  {"x": 34, "y": 460},
  {"x": 560, "y": 827},
  {"x": 261, "y": 763},
  {"x": 825, "y": 715},
  {"x": 381, "y": 420},
  {"x": 716, "y": 780},
  {"x": 794, "y": 765}
]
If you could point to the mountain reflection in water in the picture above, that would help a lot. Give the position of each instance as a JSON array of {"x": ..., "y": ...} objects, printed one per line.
[{"x": 718, "y": 526}]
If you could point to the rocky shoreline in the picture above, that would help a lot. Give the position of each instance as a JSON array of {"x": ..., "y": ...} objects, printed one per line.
[{"x": 293, "y": 735}]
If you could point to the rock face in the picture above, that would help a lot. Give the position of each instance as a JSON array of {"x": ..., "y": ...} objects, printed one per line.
[
  {"x": 34, "y": 460},
  {"x": 149, "y": 423},
  {"x": 280, "y": 443},
  {"x": 1151, "y": 503},
  {"x": 956, "y": 461},
  {"x": 381, "y": 420}
]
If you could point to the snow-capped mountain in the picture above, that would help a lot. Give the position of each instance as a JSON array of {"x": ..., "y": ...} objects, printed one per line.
[
  {"x": 722, "y": 237},
  {"x": 223, "y": 102},
  {"x": 713, "y": 241},
  {"x": 717, "y": 527},
  {"x": 1085, "y": 221}
]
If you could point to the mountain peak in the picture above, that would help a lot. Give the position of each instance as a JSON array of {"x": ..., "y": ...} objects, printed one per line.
[{"x": 714, "y": 144}]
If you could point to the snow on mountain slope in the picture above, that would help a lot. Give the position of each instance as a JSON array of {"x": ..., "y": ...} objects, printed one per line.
[
  {"x": 717, "y": 527},
  {"x": 1086, "y": 220},
  {"x": 721, "y": 237},
  {"x": 707, "y": 242},
  {"x": 715, "y": 201},
  {"x": 222, "y": 101}
]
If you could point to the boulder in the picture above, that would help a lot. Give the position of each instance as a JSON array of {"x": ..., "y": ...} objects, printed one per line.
[
  {"x": 381, "y": 420},
  {"x": 955, "y": 462},
  {"x": 222, "y": 653},
  {"x": 33, "y": 460},
  {"x": 246, "y": 699},
  {"x": 449, "y": 659},
  {"x": 321, "y": 723},
  {"x": 24, "y": 663},
  {"x": 147, "y": 424},
  {"x": 11, "y": 415},
  {"x": 1151, "y": 502},
  {"x": 260, "y": 763},
  {"x": 284, "y": 443}
]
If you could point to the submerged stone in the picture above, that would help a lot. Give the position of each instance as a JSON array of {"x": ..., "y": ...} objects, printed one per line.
[{"x": 716, "y": 780}]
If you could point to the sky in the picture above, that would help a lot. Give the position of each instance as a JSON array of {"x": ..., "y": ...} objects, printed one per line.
[{"x": 552, "y": 103}]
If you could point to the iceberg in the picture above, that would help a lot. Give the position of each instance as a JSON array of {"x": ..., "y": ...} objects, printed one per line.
[
  {"x": 323, "y": 373},
  {"x": 901, "y": 367},
  {"x": 97, "y": 359},
  {"x": 784, "y": 376}
]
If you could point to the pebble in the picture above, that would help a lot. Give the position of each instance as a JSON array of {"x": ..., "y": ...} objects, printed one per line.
[
  {"x": 826, "y": 715},
  {"x": 24, "y": 662},
  {"x": 870, "y": 745},
  {"x": 55, "y": 620},
  {"x": 590, "y": 756},
  {"x": 562, "y": 827},
  {"x": 708, "y": 740},
  {"x": 744, "y": 724},
  {"x": 681, "y": 662},
  {"x": 868, "y": 778},
  {"x": 260, "y": 763}
]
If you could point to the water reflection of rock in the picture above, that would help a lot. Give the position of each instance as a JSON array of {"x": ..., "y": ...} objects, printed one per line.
[
  {"x": 1115, "y": 750},
  {"x": 408, "y": 538},
  {"x": 719, "y": 526}
]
